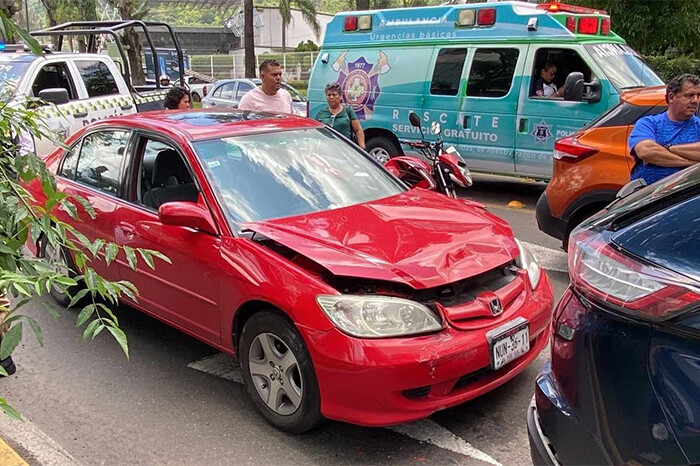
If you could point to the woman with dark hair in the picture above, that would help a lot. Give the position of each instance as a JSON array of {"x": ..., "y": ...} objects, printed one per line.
[
  {"x": 178, "y": 98},
  {"x": 341, "y": 117}
]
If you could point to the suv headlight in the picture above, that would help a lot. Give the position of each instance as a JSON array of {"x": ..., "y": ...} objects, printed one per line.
[
  {"x": 378, "y": 316},
  {"x": 528, "y": 262}
]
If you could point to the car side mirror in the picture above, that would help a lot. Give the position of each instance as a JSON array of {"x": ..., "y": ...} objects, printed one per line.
[
  {"x": 592, "y": 91},
  {"x": 573, "y": 87},
  {"x": 187, "y": 214},
  {"x": 56, "y": 96}
]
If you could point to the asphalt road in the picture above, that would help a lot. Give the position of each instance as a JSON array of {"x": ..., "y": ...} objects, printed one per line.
[{"x": 85, "y": 403}]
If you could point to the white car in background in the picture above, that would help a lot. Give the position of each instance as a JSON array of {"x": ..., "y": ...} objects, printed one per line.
[{"x": 227, "y": 93}]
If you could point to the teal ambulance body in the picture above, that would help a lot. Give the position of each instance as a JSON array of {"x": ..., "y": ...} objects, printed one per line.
[{"x": 474, "y": 68}]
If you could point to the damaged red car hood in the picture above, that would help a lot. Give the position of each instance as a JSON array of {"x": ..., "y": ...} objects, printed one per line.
[{"x": 419, "y": 238}]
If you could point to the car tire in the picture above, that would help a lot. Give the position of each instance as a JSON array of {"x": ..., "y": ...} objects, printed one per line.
[
  {"x": 196, "y": 98},
  {"x": 382, "y": 148},
  {"x": 62, "y": 261},
  {"x": 278, "y": 373}
]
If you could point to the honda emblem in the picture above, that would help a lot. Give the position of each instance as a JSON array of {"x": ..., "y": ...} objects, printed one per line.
[{"x": 496, "y": 307}]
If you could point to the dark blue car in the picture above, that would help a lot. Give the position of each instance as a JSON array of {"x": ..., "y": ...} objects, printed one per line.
[{"x": 623, "y": 383}]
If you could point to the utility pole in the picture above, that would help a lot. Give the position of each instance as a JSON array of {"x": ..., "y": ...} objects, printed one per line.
[{"x": 248, "y": 37}]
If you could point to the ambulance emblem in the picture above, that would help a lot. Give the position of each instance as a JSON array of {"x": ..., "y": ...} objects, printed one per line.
[
  {"x": 359, "y": 81},
  {"x": 542, "y": 132}
]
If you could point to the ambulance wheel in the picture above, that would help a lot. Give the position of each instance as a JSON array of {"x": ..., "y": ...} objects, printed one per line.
[{"x": 382, "y": 148}]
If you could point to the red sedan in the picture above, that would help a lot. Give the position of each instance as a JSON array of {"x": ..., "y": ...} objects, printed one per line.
[{"x": 344, "y": 294}]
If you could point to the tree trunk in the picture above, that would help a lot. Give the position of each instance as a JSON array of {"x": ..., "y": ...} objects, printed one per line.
[
  {"x": 362, "y": 4},
  {"x": 9, "y": 7},
  {"x": 249, "y": 38},
  {"x": 133, "y": 51},
  {"x": 284, "y": 37}
]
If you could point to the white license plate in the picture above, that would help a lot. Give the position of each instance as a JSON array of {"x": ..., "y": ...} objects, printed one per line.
[{"x": 508, "y": 342}]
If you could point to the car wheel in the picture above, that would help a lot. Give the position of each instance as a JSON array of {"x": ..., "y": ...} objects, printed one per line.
[
  {"x": 196, "y": 98},
  {"x": 278, "y": 373},
  {"x": 382, "y": 148},
  {"x": 60, "y": 260}
]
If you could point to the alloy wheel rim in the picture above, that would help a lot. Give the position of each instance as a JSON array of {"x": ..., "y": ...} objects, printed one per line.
[
  {"x": 276, "y": 374},
  {"x": 380, "y": 154}
]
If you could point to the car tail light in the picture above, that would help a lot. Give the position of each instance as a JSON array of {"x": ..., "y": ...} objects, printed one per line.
[
  {"x": 570, "y": 315},
  {"x": 204, "y": 91},
  {"x": 605, "y": 26},
  {"x": 588, "y": 25},
  {"x": 570, "y": 150},
  {"x": 486, "y": 17},
  {"x": 604, "y": 274},
  {"x": 351, "y": 23},
  {"x": 571, "y": 24}
]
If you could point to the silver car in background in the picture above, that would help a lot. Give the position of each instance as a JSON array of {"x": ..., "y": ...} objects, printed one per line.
[{"x": 227, "y": 93}]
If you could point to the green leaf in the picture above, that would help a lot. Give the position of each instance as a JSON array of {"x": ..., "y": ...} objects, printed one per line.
[
  {"x": 78, "y": 296},
  {"x": 86, "y": 205},
  {"x": 160, "y": 256},
  {"x": 147, "y": 258},
  {"x": 37, "y": 330},
  {"x": 80, "y": 259},
  {"x": 127, "y": 291},
  {"x": 95, "y": 247},
  {"x": 130, "y": 257},
  {"x": 97, "y": 331},
  {"x": 10, "y": 340},
  {"x": 109, "y": 312},
  {"x": 70, "y": 210},
  {"x": 52, "y": 312},
  {"x": 10, "y": 411},
  {"x": 85, "y": 314},
  {"x": 3, "y": 372},
  {"x": 90, "y": 329},
  {"x": 120, "y": 336},
  {"x": 66, "y": 281},
  {"x": 111, "y": 251}
]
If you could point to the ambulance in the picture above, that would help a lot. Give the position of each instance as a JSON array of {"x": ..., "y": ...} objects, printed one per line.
[{"x": 476, "y": 69}]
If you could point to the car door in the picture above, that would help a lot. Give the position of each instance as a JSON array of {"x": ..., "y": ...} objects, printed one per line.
[
  {"x": 543, "y": 120},
  {"x": 106, "y": 96},
  {"x": 223, "y": 96},
  {"x": 186, "y": 291},
  {"x": 242, "y": 89},
  {"x": 56, "y": 74},
  {"x": 488, "y": 109},
  {"x": 93, "y": 168}
]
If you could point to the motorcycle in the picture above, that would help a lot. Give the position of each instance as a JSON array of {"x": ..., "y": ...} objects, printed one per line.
[{"x": 443, "y": 170}]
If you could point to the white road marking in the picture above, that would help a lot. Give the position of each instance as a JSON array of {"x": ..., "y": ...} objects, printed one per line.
[
  {"x": 43, "y": 449},
  {"x": 425, "y": 430},
  {"x": 549, "y": 259},
  {"x": 429, "y": 431}
]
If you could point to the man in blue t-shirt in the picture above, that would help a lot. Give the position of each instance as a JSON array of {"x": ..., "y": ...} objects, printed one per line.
[{"x": 670, "y": 141}]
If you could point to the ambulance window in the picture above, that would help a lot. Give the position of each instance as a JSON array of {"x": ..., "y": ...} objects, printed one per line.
[
  {"x": 54, "y": 76},
  {"x": 491, "y": 73},
  {"x": 100, "y": 160},
  {"x": 550, "y": 69},
  {"x": 448, "y": 71},
  {"x": 97, "y": 78}
]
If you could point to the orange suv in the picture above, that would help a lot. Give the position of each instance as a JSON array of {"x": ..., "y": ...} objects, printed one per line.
[{"x": 592, "y": 165}]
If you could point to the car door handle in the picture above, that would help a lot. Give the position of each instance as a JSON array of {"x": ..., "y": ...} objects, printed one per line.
[
  {"x": 522, "y": 125},
  {"x": 127, "y": 229},
  {"x": 127, "y": 107},
  {"x": 80, "y": 115},
  {"x": 465, "y": 122}
]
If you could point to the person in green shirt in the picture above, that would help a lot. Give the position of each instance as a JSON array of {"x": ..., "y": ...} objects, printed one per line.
[{"x": 341, "y": 117}]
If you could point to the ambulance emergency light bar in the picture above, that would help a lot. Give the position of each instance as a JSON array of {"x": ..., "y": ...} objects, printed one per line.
[{"x": 582, "y": 24}]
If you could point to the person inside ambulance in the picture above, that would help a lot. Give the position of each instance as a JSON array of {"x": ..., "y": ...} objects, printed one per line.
[{"x": 544, "y": 83}]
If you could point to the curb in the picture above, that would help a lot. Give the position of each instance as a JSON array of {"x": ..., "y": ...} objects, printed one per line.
[{"x": 9, "y": 457}]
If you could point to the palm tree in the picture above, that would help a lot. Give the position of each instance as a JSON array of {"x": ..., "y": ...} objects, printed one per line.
[{"x": 308, "y": 12}]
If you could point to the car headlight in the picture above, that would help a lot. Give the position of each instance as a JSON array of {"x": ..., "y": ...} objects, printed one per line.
[
  {"x": 528, "y": 262},
  {"x": 378, "y": 316}
]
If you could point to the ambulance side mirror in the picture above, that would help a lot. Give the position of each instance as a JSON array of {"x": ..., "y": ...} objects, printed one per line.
[
  {"x": 56, "y": 96},
  {"x": 413, "y": 118},
  {"x": 573, "y": 87},
  {"x": 592, "y": 91}
]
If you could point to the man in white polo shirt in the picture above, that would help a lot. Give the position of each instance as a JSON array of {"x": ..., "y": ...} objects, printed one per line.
[{"x": 269, "y": 97}]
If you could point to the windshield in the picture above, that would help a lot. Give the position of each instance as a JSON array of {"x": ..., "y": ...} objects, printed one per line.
[
  {"x": 282, "y": 174},
  {"x": 11, "y": 71},
  {"x": 623, "y": 66}
]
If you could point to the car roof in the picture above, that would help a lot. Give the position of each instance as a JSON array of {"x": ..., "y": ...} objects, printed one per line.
[
  {"x": 645, "y": 96},
  {"x": 207, "y": 123}
]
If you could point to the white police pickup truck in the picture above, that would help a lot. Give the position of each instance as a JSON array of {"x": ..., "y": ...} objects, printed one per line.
[{"x": 76, "y": 88}]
